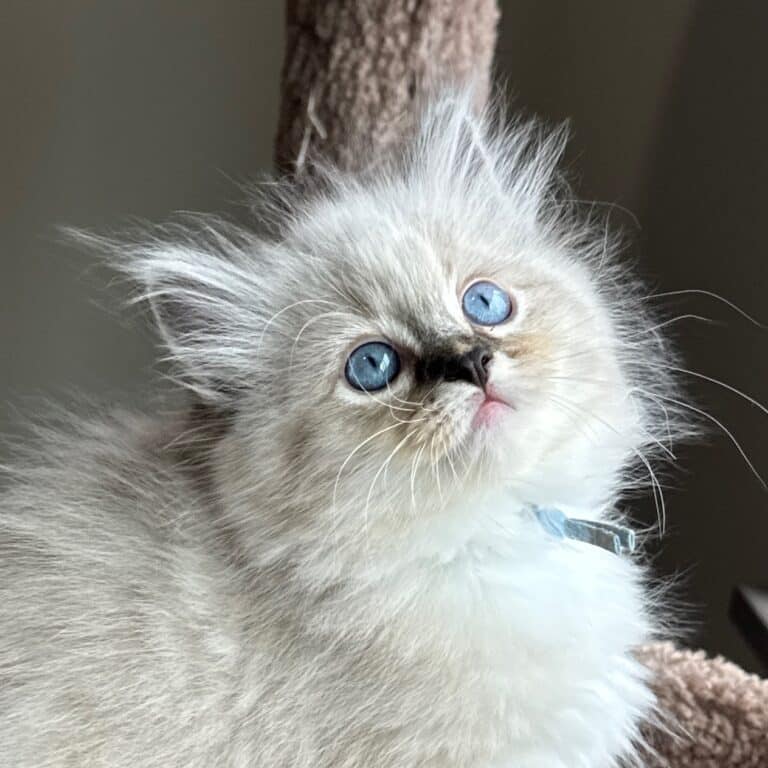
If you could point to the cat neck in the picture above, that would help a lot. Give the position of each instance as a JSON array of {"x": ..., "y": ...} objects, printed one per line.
[{"x": 494, "y": 525}]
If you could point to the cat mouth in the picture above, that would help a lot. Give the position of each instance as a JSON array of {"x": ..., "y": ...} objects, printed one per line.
[{"x": 492, "y": 408}]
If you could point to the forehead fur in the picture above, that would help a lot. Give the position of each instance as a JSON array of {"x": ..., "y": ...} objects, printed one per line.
[
  {"x": 466, "y": 197},
  {"x": 462, "y": 190}
]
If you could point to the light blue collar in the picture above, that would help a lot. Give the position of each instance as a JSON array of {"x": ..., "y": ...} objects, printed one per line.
[{"x": 615, "y": 538}]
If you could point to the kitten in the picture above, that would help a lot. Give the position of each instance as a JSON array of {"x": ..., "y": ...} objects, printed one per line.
[{"x": 334, "y": 562}]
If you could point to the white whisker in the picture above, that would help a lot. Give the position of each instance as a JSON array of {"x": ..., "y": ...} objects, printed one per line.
[
  {"x": 306, "y": 325},
  {"x": 655, "y": 484},
  {"x": 718, "y": 423},
  {"x": 712, "y": 295},
  {"x": 381, "y": 469},
  {"x": 358, "y": 447},
  {"x": 712, "y": 380},
  {"x": 672, "y": 320},
  {"x": 414, "y": 469},
  {"x": 285, "y": 309}
]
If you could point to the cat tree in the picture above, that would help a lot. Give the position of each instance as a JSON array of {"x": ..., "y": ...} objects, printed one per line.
[{"x": 352, "y": 73}]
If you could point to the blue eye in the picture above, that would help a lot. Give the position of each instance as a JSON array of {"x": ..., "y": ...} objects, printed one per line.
[
  {"x": 485, "y": 303},
  {"x": 372, "y": 366}
]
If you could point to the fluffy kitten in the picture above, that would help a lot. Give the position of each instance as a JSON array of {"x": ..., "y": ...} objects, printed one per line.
[{"x": 333, "y": 563}]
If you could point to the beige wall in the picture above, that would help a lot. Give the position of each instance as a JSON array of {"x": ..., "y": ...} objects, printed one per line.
[{"x": 114, "y": 109}]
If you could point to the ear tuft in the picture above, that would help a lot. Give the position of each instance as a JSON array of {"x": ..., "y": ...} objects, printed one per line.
[
  {"x": 203, "y": 289},
  {"x": 485, "y": 159}
]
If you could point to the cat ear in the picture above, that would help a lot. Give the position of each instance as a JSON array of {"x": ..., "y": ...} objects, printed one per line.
[
  {"x": 204, "y": 282},
  {"x": 206, "y": 308}
]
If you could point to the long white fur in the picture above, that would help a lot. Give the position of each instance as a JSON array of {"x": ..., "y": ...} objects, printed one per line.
[{"x": 332, "y": 579}]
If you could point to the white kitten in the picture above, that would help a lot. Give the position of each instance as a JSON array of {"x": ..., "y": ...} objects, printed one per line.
[{"x": 334, "y": 563}]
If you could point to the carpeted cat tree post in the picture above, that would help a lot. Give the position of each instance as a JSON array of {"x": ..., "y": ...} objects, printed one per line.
[
  {"x": 353, "y": 70},
  {"x": 352, "y": 75}
]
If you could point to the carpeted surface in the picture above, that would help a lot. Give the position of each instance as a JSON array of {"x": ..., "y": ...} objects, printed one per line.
[
  {"x": 353, "y": 70},
  {"x": 719, "y": 711}
]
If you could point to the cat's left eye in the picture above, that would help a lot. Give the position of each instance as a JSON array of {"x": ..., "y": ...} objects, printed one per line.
[
  {"x": 372, "y": 366},
  {"x": 485, "y": 303}
]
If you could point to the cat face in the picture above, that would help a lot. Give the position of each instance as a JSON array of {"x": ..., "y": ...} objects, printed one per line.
[
  {"x": 440, "y": 329},
  {"x": 439, "y": 364}
]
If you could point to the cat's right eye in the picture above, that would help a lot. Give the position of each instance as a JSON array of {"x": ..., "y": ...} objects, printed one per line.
[{"x": 372, "y": 366}]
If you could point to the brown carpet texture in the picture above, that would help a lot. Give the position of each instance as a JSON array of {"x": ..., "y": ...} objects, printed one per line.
[
  {"x": 719, "y": 711},
  {"x": 354, "y": 68},
  {"x": 353, "y": 72}
]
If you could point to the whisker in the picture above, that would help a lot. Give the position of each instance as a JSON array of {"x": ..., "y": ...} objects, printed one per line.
[
  {"x": 285, "y": 309},
  {"x": 419, "y": 404},
  {"x": 414, "y": 469},
  {"x": 712, "y": 295},
  {"x": 712, "y": 380},
  {"x": 435, "y": 468},
  {"x": 575, "y": 417},
  {"x": 665, "y": 410},
  {"x": 390, "y": 406},
  {"x": 717, "y": 422},
  {"x": 666, "y": 449},
  {"x": 453, "y": 468},
  {"x": 381, "y": 469},
  {"x": 354, "y": 451},
  {"x": 306, "y": 325},
  {"x": 659, "y": 501},
  {"x": 612, "y": 207},
  {"x": 659, "y": 326}
]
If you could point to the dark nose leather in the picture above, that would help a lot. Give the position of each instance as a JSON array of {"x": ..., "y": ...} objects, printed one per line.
[{"x": 471, "y": 367}]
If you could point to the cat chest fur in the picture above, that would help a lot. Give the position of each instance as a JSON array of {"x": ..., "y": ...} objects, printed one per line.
[{"x": 506, "y": 651}]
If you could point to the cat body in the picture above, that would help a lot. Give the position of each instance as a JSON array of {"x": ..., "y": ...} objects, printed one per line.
[{"x": 318, "y": 574}]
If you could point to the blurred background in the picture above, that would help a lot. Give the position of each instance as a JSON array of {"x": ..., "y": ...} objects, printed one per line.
[{"x": 114, "y": 109}]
